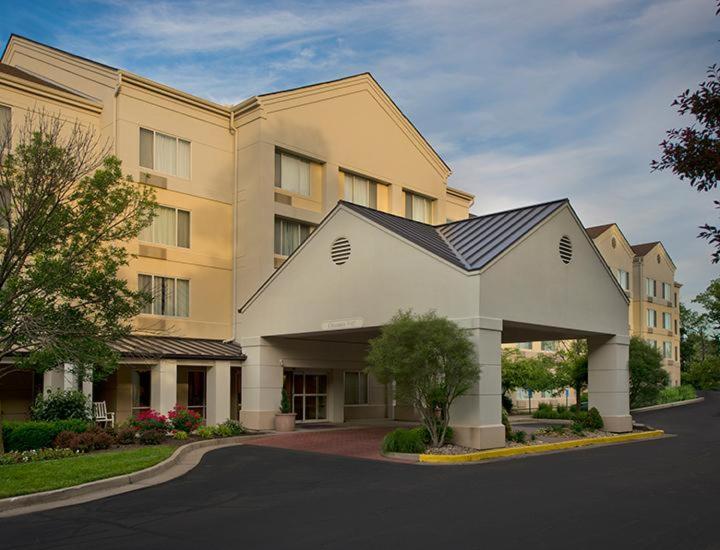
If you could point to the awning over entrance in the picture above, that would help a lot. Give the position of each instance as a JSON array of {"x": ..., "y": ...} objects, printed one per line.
[{"x": 165, "y": 347}]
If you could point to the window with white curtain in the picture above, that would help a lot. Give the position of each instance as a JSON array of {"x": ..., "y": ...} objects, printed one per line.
[
  {"x": 667, "y": 291},
  {"x": 289, "y": 235},
  {"x": 651, "y": 318},
  {"x": 652, "y": 343},
  {"x": 356, "y": 388},
  {"x": 667, "y": 321},
  {"x": 650, "y": 287},
  {"x": 5, "y": 126},
  {"x": 624, "y": 279},
  {"x": 170, "y": 296},
  {"x": 164, "y": 153},
  {"x": 359, "y": 190},
  {"x": 171, "y": 226},
  {"x": 667, "y": 350},
  {"x": 418, "y": 208},
  {"x": 292, "y": 173},
  {"x": 524, "y": 345}
]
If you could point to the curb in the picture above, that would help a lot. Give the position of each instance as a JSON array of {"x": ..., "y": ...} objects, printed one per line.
[
  {"x": 135, "y": 478},
  {"x": 543, "y": 448},
  {"x": 669, "y": 405}
]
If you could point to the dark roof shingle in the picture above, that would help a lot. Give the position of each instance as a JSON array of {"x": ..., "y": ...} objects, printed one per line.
[
  {"x": 472, "y": 243},
  {"x": 643, "y": 249},
  {"x": 596, "y": 231}
]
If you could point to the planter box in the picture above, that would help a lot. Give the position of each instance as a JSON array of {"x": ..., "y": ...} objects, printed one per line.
[{"x": 285, "y": 422}]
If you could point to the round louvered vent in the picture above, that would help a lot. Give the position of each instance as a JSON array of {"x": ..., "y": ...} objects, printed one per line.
[
  {"x": 565, "y": 249},
  {"x": 340, "y": 250}
]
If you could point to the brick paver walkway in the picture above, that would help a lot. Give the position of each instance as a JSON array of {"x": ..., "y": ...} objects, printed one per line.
[{"x": 362, "y": 442}]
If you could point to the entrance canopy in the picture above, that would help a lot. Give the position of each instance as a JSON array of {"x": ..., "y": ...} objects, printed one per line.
[{"x": 525, "y": 274}]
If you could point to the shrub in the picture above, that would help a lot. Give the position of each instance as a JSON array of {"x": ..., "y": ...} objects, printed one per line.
[
  {"x": 404, "y": 441},
  {"x": 126, "y": 435},
  {"x": 427, "y": 437},
  {"x": 593, "y": 420},
  {"x": 23, "y": 436},
  {"x": 647, "y": 377},
  {"x": 180, "y": 435},
  {"x": 149, "y": 420},
  {"x": 518, "y": 436},
  {"x": 545, "y": 406},
  {"x": 507, "y": 402},
  {"x": 676, "y": 393},
  {"x": 229, "y": 428},
  {"x": 578, "y": 428},
  {"x": 183, "y": 419},
  {"x": 506, "y": 423},
  {"x": 65, "y": 440},
  {"x": 94, "y": 439},
  {"x": 35, "y": 455},
  {"x": 61, "y": 405},
  {"x": 561, "y": 409},
  {"x": 206, "y": 432},
  {"x": 285, "y": 406},
  {"x": 151, "y": 437}
]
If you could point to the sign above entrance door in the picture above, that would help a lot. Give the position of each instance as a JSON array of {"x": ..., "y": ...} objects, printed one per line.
[{"x": 338, "y": 324}]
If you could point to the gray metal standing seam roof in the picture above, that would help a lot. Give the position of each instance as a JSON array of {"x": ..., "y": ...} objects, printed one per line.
[
  {"x": 169, "y": 347},
  {"x": 472, "y": 243}
]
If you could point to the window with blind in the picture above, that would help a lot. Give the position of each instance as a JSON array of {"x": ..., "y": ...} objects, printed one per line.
[
  {"x": 667, "y": 291},
  {"x": 651, "y": 318},
  {"x": 667, "y": 350},
  {"x": 171, "y": 227},
  {"x": 164, "y": 153},
  {"x": 418, "y": 208},
  {"x": 170, "y": 296},
  {"x": 292, "y": 173},
  {"x": 359, "y": 190},
  {"x": 5, "y": 127},
  {"x": 650, "y": 287},
  {"x": 289, "y": 235},
  {"x": 667, "y": 321},
  {"x": 356, "y": 388}
]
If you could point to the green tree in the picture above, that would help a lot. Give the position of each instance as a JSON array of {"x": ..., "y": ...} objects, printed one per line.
[
  {"x": 693, "y": 152},
  {"x": 432, "y": 362},
  {"x": 572, "y": 369},
  {"x": 647, "y": 377},
  {"x": 67, "y": 212},
  {"x": 704, "y": 374},
  {"x": 697, "y": 339},
  {"x": 535, "y": 373},
  {"x": 710, "y": 302}
]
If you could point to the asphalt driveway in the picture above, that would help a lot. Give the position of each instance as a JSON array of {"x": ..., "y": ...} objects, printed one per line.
[{"x": 652, "y": 494}]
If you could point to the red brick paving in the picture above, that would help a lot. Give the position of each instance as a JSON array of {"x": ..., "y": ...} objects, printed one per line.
[{"x": 355, "y": 442}]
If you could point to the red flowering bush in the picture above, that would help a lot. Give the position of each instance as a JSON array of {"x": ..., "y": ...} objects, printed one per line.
[
  {"x": 183, "y": 419},
  {"x": 149, "y": 420}
]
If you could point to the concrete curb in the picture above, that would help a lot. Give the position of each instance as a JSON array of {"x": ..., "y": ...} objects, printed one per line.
[
  {"x": 669, "y": 405},
  {"x": 102, "y": 488},
  {"x": 533, "y": 449}
]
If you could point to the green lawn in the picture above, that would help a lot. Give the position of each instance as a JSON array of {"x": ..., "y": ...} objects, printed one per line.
[{"x": 32, "y": 477}]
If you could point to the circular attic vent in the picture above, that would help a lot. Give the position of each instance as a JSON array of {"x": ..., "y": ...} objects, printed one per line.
[
  {"x": 565, "y": 249},
  {"x": 340, "y": 250}
]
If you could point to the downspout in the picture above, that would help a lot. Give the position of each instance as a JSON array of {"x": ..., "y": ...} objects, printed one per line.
[
  {"x": 234, "y": 311},
  {"x": 116, "y": 93}
]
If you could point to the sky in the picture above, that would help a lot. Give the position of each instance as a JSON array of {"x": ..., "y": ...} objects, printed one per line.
[{"x": 527, "y": 101}]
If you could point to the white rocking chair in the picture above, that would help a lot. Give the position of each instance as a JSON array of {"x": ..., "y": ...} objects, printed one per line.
[{"x": 102, "y": 416}]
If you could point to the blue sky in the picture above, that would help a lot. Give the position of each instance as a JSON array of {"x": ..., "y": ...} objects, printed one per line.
[{"x": 526, "y": 101}]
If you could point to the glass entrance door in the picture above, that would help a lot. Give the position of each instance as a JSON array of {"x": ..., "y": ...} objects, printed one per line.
[{"x": 309, "y": 396}]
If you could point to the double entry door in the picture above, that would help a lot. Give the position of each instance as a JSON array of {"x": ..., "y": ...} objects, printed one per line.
[{"x": 308, "y": 392}]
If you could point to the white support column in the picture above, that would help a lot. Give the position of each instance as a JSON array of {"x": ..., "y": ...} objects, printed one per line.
[
  {"x": 476, "y": 416},
  {"x": 163, "y": 386},
  {"x": 60, "y": 378},
  {"x": 262, "y": 380},
  {"x": 609, "y": 381},
  {"x": 218, "y": 393}
]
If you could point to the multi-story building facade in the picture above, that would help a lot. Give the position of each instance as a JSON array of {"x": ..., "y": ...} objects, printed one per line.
[
  {"x": 239, "y": 188},
  {"x": 647, "y": 274}
]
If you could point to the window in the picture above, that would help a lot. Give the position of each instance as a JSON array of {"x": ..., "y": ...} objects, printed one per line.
[
  {"x": 5, "y": 127},
  {"x": 196, "y": 391},
  {"x": 675, "y": 300},
  {"x": 170, "y": 296},
  {"x": 524, "y": 345},
  {"x": 652, "y": 343},
  {"x": 676, "y": 326},
  {"x": 651, "y": 318},
  {"x": 667, "y": 321},
  {"x": 650, "y": 288},
  {"x": 164, "y": 153},
  {"x": 171, "y": 226},
  {"x": 676, "y": 353},
  {"x": 548, "y": 345},
  {"x": 356, "y": 388},
  {"x": 292, "y": 173},
  {"x": 360, "y": 190},
  {"x": 418, "y": 208},
  {"x": 667, "y": 291},
  {"x": 289, "y": 235},
  {"x": 667, "y": 350},
  {"x": 623, "y": 278},
  {"x": 140, "y": 389}
]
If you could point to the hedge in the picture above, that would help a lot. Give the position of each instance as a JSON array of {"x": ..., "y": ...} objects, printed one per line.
[{"x": 24, "y": 436}]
